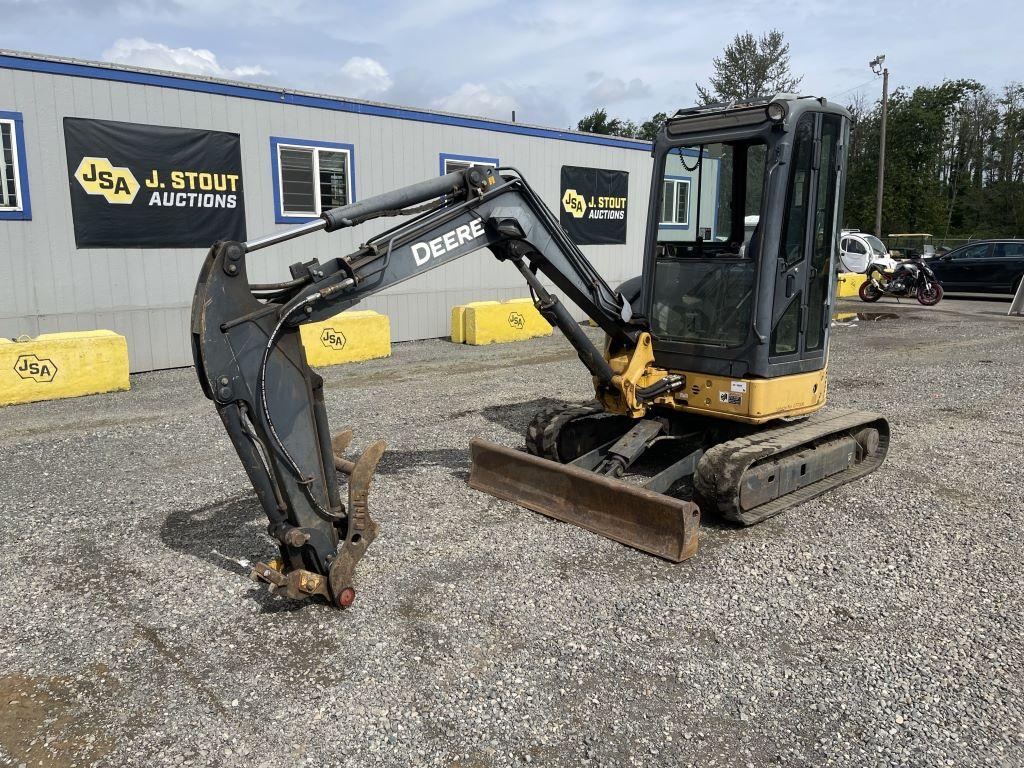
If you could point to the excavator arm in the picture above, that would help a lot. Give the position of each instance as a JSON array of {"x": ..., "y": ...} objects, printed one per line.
[{"x": 251, "y": 363}]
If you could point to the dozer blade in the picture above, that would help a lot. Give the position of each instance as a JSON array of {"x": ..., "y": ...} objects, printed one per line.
[{"x": 630, "y": 514}]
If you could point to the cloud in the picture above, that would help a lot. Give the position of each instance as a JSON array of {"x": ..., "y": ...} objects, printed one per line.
[
  {"x": 532, "y": 104},
  {"x": 138, "y": 52},
  {"x": 608, "y": 90},
  {"x": 476, "y": 99},
  {"x": 362, "y": 76}
]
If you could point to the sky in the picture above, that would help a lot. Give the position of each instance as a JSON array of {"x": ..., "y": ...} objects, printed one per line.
[{"x": 552, "y": 62}]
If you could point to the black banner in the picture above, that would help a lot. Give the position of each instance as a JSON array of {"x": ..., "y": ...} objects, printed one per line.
[
  {"x": 594, "y": 203},
  {"x": 150, "y": 186}
]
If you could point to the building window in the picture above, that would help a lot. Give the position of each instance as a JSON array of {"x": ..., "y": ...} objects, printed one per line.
[
  {"x": 675, "y": 202},
  {"x": 451, "y": 163},
  {"x": 310, "y": 177},
  {"x": 14, "y": 200}
]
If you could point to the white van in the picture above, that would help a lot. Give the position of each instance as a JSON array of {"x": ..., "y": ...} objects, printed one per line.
[{"x": 858, "y": 249}]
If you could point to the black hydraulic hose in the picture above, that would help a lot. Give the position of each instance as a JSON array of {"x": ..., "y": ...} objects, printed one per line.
[
  {"x": 261, "y": 386},
  {"x": 663, "y": 386},
  {"x": 261, "y": 381},
  {"x": 278, "y": 287},
  {"x": 700, "y": 186}
]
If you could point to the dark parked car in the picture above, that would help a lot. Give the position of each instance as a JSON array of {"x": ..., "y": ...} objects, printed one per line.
[{"x": 986, "y": 266}]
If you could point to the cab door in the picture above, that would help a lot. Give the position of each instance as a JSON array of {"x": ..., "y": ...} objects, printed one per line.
[
  {"x": 802, "y": 303},
  {"x": 788, "y": 309},
  {"x": 828, "y": 183},
  {"x": 854, "y": 255}
]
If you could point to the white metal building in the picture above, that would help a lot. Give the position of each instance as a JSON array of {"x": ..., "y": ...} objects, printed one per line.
[{"x": 299, "y": 152}]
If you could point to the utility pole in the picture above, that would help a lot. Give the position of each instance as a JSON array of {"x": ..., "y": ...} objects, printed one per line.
[{"x": 877, "y": 66}]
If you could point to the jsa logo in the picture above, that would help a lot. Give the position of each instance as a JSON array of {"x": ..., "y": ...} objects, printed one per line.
[
  {"x": 98, "y": 177},
  {"x": 39, "y": 369},
  {"x": 573, "y": 203},
  {"x": 439, "y": 246}
]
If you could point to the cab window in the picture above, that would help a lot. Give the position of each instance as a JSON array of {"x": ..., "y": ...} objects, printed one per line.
[
  {"x": 795, "y": 227},
  {"x": 823, "y": 245},
  {"x": 876, "y": 245},
  {"x": 708, "y": 243},
  {"x": 785, "y": 336}
]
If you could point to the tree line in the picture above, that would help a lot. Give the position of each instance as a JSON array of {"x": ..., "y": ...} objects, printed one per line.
[
  {"x": 954, "y": 162},
  {"x": 954, "y": 151}
]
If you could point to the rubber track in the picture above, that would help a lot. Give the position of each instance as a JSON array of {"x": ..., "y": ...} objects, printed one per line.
[
  {"x": 542, "y": 434},
  {"x": 720, "y": 472}
]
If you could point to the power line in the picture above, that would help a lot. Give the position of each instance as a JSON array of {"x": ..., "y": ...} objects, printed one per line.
[{"x": 854, "y": 88}]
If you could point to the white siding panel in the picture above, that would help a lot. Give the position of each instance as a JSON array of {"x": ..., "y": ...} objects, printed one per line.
[{"x": 46, "y": 283}]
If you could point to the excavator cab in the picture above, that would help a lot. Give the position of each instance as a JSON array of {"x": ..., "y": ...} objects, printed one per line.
[{"x": 742, "y": 227}]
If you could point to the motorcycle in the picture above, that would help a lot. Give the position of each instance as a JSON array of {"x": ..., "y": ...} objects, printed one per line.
[{"x": 912, "y": 277}]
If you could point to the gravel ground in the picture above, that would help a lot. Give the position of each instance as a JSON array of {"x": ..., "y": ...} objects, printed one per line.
[{"x": 878, "y": 625}]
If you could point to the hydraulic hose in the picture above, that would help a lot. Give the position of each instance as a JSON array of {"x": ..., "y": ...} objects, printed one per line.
[{"x": 287, "y": 312}]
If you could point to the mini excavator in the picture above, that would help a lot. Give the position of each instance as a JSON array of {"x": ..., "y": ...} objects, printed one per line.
[{"x": 709, "y": 388}]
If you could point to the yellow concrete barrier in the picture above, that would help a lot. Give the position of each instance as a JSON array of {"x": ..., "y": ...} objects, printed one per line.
[
  {"x": 459, "y": 319},
  {"x": 57, "y": 365},
  {"x": 849, "y": 283},
  {"x": 488, "y": 322},
  {"x": 346, "y": 338}
]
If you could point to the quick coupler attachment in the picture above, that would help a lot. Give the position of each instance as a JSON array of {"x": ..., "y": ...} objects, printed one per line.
[{"x": 337, "y": 585}]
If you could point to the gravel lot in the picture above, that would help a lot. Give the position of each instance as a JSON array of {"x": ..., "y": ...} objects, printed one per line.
[{"x": 878, "y": 625}]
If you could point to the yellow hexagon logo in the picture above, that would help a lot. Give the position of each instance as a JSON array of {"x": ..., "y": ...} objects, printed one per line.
[
  {"x": 40, "y": 369},
  {"x": 333, "y": 339},
  {"x": 98, "y": 177},
  {"x": 574, "y": 204}
]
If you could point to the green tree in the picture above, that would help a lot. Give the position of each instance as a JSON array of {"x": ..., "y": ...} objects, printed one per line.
[
  {"x": 649, "y": 128},
  {"x": 599, "y": 122},
  {"x": 750, "y": 66},
  {"x": 953, "y": 162}
]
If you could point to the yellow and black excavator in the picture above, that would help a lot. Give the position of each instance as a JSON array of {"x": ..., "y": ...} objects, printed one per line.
[{"x": 708, "y": 389}]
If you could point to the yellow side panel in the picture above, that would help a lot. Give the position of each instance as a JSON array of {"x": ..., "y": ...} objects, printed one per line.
[
  {"x": 849, "y": 283},
  {"x": 515, "y": 320},
  {"x": 751, "y": 400},
  {"x": 346, "y": 338},
  {"x": 57, "y": 365},
  {"x": 458, "y": 334}
]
